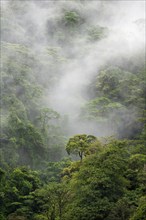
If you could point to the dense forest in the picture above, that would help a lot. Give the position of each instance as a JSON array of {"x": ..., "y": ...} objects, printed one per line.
[{"x": 73, "y": 110}]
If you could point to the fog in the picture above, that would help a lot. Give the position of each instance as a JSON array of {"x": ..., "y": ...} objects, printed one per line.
[{"x": 71, "y": 57}]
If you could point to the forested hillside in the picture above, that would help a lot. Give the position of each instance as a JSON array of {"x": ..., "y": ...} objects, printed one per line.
[{"x": 73, "y": 110}]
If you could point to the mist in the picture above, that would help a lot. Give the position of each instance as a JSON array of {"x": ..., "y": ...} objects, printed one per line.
[{"x": 70, "y": 56}]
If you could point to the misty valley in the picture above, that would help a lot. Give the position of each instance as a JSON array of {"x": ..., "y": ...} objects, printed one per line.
[{"x": 73, "y": 110}]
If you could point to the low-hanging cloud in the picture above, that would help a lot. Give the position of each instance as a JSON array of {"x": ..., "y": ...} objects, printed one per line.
[{"x": 78, "y": 59}]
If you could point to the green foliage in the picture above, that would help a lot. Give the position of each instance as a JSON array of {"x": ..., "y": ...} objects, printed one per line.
[
  {"x": 97, "y": 185},
  {"x": 101, "y": 107},
  {"x": 97, "y": 33},
  {"x": 17, "y": 185},
  {"x": 140, "y": 213},
  {"x": 79, "y": 144},
  {"x": 54, "y": 170},
  {"x": 50, "y": 201},
  {"x": 46, "y": 115},
  {"x": 118, "y": 84},
  {"x": 16, "y": 217},
  {"x": 31, "y": 130},
  {"x": 71, "y": 18},
  {"x": 2, "y": 217},
  {"x": 119, "y": 101},
  {"x": 121, "y": 210},
  {"x": 40, "y": 217},
  {"x": 110, "y": 183},
  {"x": 27, "y": 139}
]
